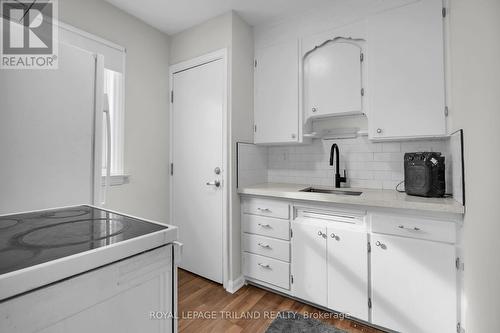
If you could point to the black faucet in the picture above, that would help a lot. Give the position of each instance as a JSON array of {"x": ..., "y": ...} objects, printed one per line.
[{"x": 338, "y": 179}]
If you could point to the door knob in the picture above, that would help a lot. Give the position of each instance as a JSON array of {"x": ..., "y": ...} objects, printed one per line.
[
  {"x": 215, "y": 183},
  {"x": 379, "y": 130}
]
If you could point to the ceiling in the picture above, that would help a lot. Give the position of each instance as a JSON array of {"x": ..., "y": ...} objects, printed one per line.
[{"x": 172, "y": 16}]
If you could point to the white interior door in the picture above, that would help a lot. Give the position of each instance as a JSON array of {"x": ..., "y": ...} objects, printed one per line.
[
  {"x": 197, "y": 202},
  {"x": 46, "y": 134}
]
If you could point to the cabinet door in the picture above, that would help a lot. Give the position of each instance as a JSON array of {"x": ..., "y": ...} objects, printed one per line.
[
  {"x": 277, "y": 94},
  {"x": 413, "y": 285},
  {"x": 348, "y": 272},
  {"x": 309, "y": 261},
  {"x": 332, "y": 80},
  {"x": 406, "y": 72}
]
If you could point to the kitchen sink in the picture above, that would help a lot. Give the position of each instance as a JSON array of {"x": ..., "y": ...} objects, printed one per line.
[{"x": 338, "y": 192}]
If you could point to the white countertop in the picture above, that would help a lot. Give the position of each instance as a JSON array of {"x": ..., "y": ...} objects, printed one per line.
[{"x": 369, "y": 197}]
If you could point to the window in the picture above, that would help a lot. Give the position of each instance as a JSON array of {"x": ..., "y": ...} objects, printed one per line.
[
  {"x": 113, "y": 87},
  {"x": 113, "y": 60}
]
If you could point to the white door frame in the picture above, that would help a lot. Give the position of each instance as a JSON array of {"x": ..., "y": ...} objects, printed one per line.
[{"x": 184, "y": 65}]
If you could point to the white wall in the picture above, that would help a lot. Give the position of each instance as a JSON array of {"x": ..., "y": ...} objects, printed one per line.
[
  {"x": 204, "y": 38},
  {"x": 241, "y": 122},
  {"x": 475, "y": 51},
  {"x": 227, "y": 31},
  {"x": 146, "y": 109}
]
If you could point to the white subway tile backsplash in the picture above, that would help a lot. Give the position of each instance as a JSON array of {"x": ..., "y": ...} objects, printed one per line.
[{"x": 368, "y": 164}]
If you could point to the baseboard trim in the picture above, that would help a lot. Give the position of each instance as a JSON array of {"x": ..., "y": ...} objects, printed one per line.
[{"x": 234, "y": 285}]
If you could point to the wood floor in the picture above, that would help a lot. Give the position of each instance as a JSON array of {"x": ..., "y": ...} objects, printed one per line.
[{"x": 205, "y": 306}]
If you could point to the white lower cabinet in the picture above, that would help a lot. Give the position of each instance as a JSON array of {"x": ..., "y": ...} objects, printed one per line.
[
  {"x": 413, "y": 285},
  {"x": 348, "y": 271},
  {"x": 309, "y": 267},
  {"x": 330, "y": 264},
  {"x": 406, "y": 283}
]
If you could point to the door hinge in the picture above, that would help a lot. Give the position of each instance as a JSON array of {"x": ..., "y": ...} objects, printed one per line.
[
  {"x": 444, "y": 12},
  {"x": 446, "y": 111},
  {"x": 459, "y": 328},
  {"x": 369, "y": 247},
  {"x": 255, "y": 63},
  {"x": 362, "y": 57},
  {"x": 369, "y": 303},
  {"x": 291, "y": 233},
  {"x": 171, "y": 96},
  {"x": 255, "y": 128},
  {"x": 459, "y": 265},
  {"x": 291, "y": 279},
  {"x": 362, "y": 91},
  {"x": 171, "y": 169}
]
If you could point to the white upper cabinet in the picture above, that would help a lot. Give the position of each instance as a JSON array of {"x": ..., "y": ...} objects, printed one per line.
[
  {"x": 405, "y": 60},
  {"x": 277, "y": 117},
  {"x": 333, "y": 79}
]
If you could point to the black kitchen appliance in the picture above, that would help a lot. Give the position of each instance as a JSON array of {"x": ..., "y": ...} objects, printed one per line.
[{"x": 425, "y": 174}]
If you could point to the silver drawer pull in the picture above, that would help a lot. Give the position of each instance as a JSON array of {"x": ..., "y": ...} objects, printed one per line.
[
  {"x": 264, "y": 266},
  {"x": 381, "y": 245},
  {"x": 264, "y": 225},
  {"x": 267, "y": 246},
  {"x": 333, "y": 236},
  {"x": 411, "y": 229},
  {"x": 322, "y": 234},
  {"x": 267, "y": 210}
]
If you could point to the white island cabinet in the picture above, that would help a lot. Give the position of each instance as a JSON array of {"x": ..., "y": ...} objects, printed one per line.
[{"x": 119, "y": 297}]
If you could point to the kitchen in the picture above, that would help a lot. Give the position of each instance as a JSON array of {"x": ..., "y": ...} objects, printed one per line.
[{"x": 261, "y": 148}]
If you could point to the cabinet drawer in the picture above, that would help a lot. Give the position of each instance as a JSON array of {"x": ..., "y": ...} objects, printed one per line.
[
  {"x": 266, "y": 226},
  {"x": 414, "y": 227},
  {"x": 266, "y": 269},
  {"x": 265, "y": 207},
  {"x": 269, "y": 247}
]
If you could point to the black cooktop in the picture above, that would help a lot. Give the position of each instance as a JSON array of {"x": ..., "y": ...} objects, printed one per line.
[{"x": 30, "y": 239}]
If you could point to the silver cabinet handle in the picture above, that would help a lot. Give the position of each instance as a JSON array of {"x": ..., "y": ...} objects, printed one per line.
[
  {"x": 264, "y": 265},
  {"x": 381, "y": 245},
  {"x": 264, "y": 225},
  {"x": 379, "y": 130},
  {"x": 314, "y": 109},
  {"x": 266, "y": 246},
  {"x": 333, "y": 236},
  {"x": 410, "y": 229},
  {"x": 322, "y": 234},
  {"x": 267, "y": 210},
  {"x": 215, "y": 183}
]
